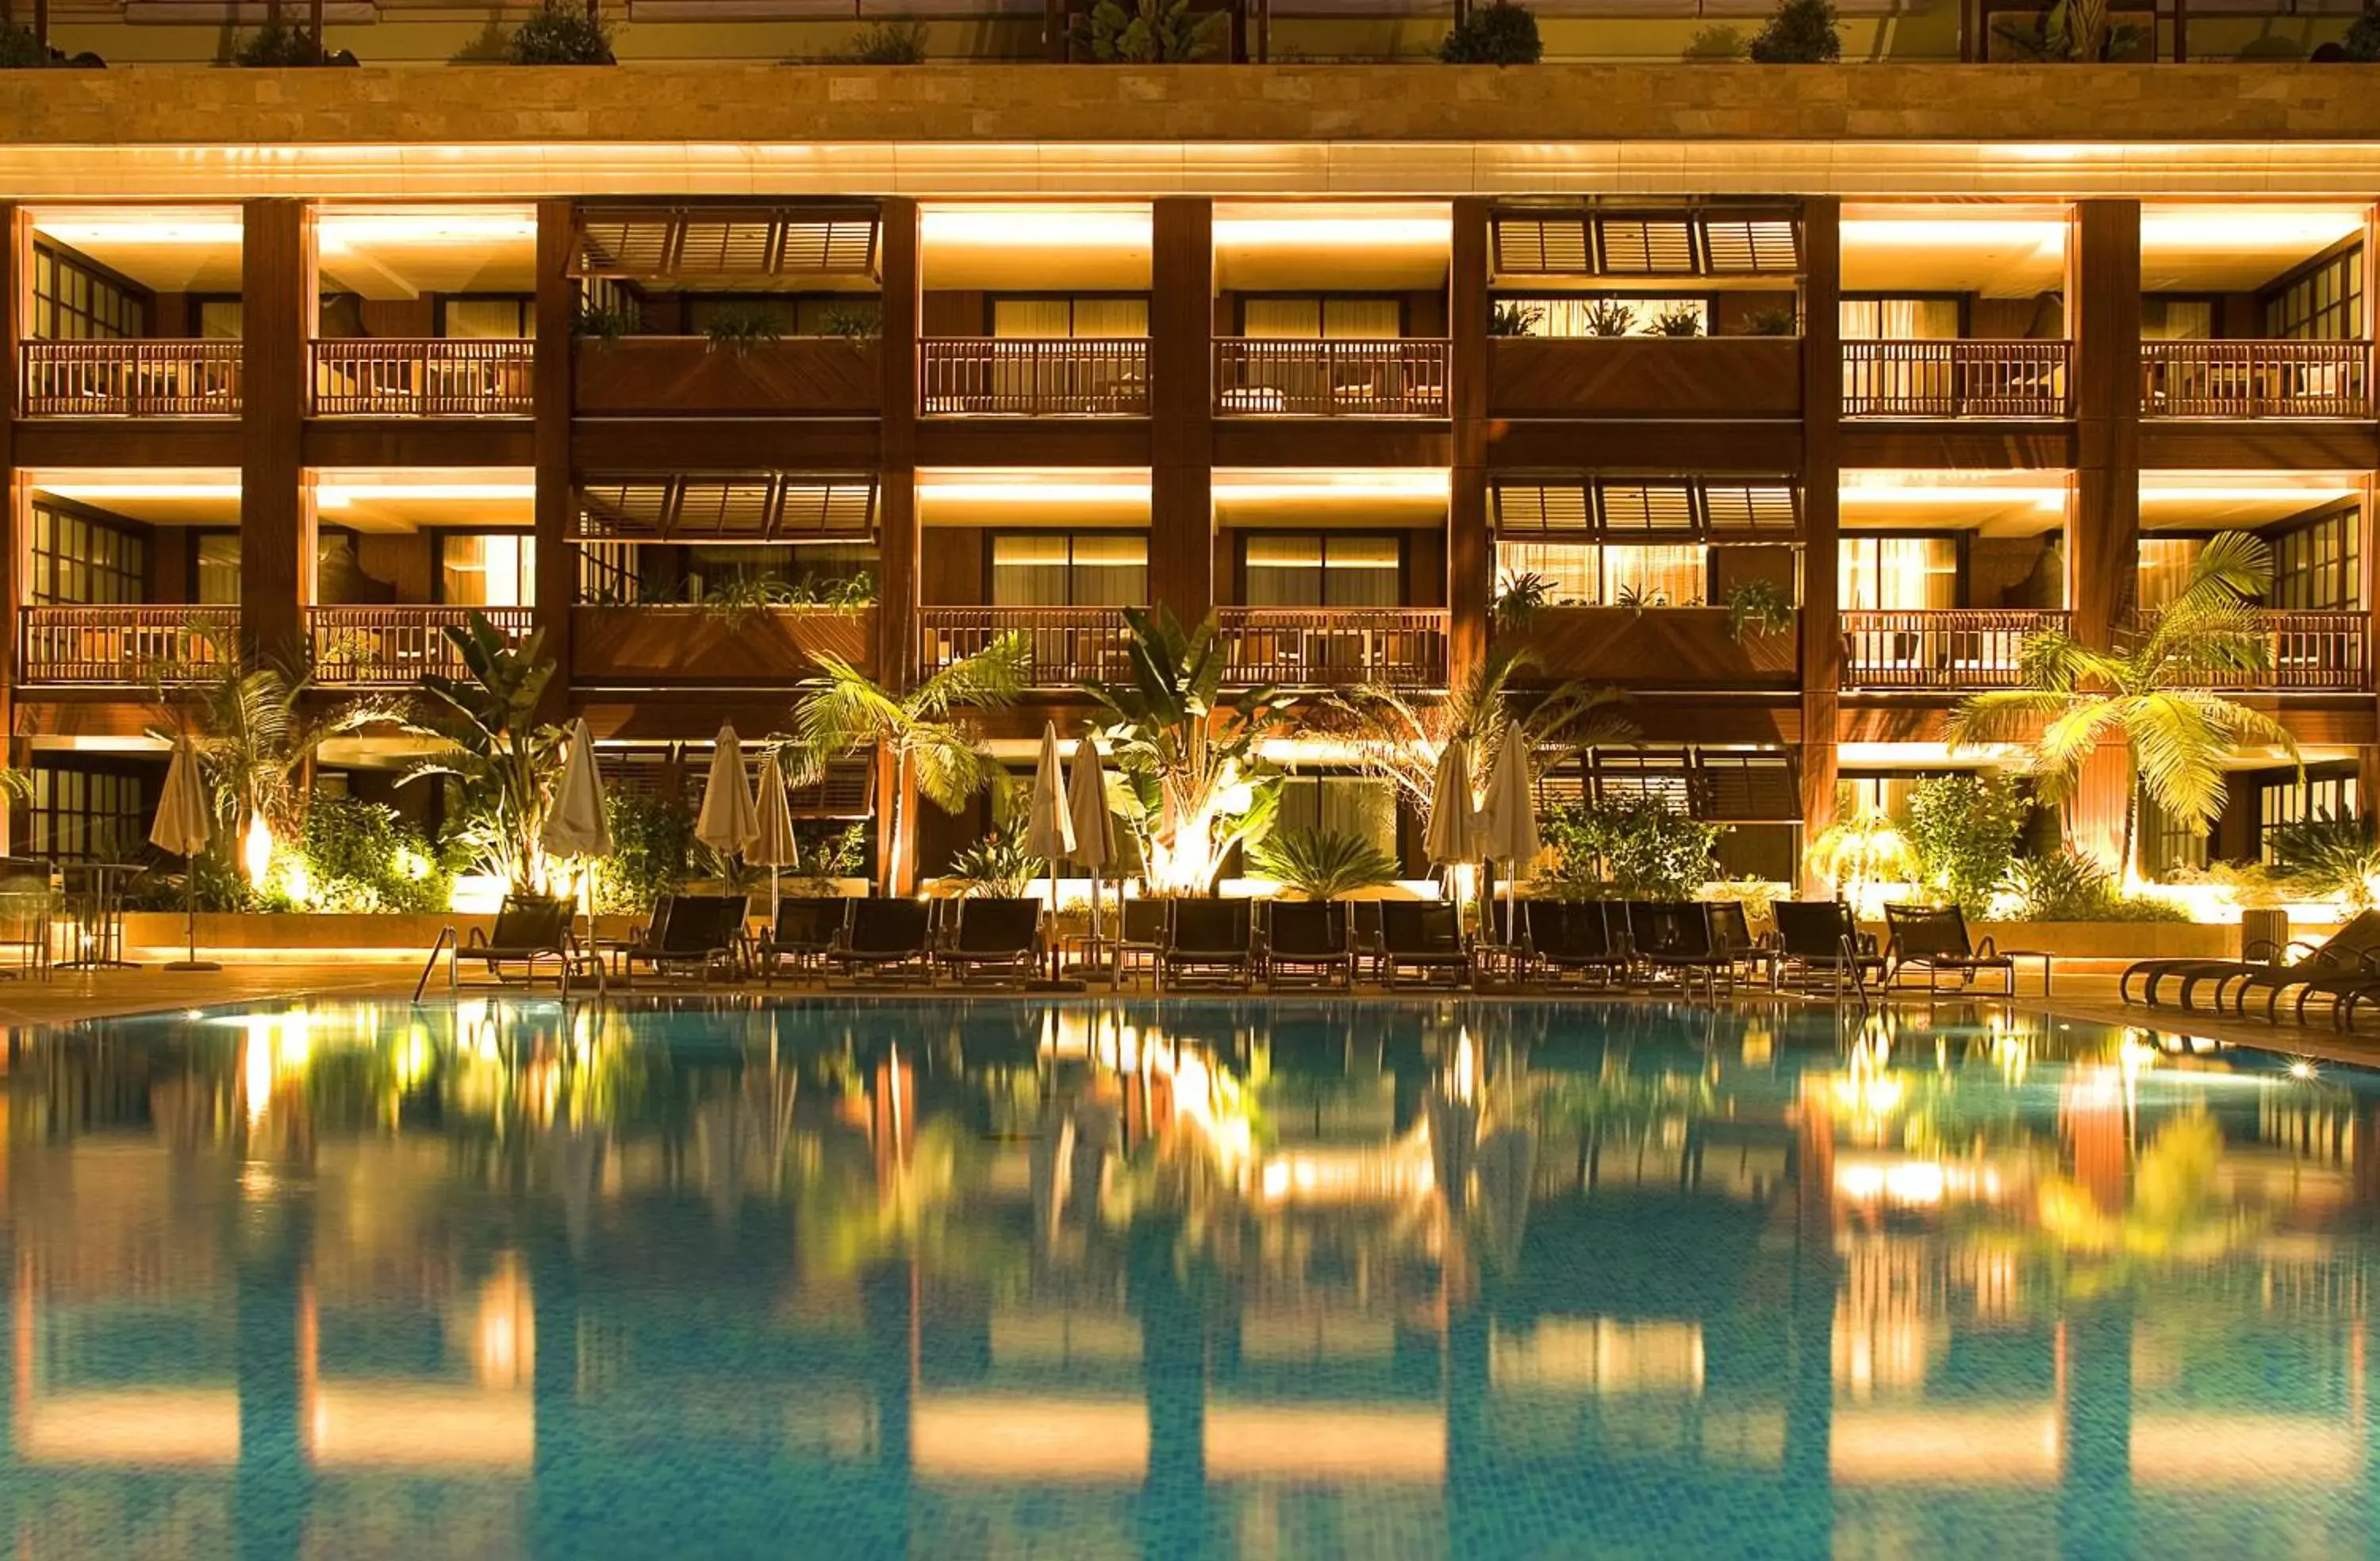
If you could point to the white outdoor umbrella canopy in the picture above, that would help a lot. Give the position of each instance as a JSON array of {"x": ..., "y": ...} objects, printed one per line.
[
  {"x": 1094, "y": 836},
  {"x": 182, "y": 829},
  {"x": 1453, "y": 837},
  {"x": 729, "y": 822},
  {"x": 1508, "y": 825},
  {"x": 576, "y": 825},
  {"x": 773, "y": 842},
  {"x": 1049, "y": 823}
]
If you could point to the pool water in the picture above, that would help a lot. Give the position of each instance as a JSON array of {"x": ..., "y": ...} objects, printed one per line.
[{"x": 1076, "y": 1279}]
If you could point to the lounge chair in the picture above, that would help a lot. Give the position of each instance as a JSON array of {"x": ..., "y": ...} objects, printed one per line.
[
  {"x": 1209, "y": 942},
  {"x": 1424, "y": 937},
  {"x": 1819, "y": 937},
  {"x": 1674, "y": 936},
  {"x": 2343, "y": 989},
  {"x": 1308, "y": 942},
  {"x": 531, "y": 931},
  {"x": 701, "y": 934},
  {"x": 1934, "y": 938},
  {"x": 806, "y": 931},
  {"x": 992, "y": 940},
  {"x": 890, "y": 939},
  {"x": 2331, "y": 970},
  {"x": 2338, "y": 954},
  {"x": 1731, "y": 931},
  {"x": 1565, "y": 938},
  {"x": 1140, "y": 939}
]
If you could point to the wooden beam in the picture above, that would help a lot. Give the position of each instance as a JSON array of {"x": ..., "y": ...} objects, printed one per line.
[
  {"x": 276, "y": 527},
  {"x": 1822, "y": 432},
  {"x": 1470, "y": 551},
  {"x": 555, "y": 312},
  {"x": 898, "y": 538},
  {"x": 1182, "y": 390}
]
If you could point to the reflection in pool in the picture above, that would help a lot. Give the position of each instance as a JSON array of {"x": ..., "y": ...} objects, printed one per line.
[{"x": 1005, "y": 1278}]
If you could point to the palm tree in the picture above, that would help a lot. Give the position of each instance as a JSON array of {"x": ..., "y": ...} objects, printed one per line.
[
  {"x": 2149, "y": 693},
  {"x": 843, "y": 709}
]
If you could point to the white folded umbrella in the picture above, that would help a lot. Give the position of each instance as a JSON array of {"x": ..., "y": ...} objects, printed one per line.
[
  {"x": 1049, "y": 826},
  {"x": 1451, "y": 838},
  {"x": 728, "y": 822},
  {"x": 1508, "y": 825},
  {"x": 576, "y": 825},
  {"x": 1087, "y": 805},
  {"x": 183, "y": 829},
  {"x": 772, "y": 843}
]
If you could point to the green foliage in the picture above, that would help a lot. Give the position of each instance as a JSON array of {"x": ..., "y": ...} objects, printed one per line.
[
  {"x": 1639, "y": 849},
  {"x": 1715, "y": 44},
  {"x": 1149, "y": 32},
  {"x": 652, "y": 840},
  {"x": 279, "y": 44},
  {"x": 1609, "y": 317},
  {"x": 2149, "y": 694},
  {"x": 1678, "y": 319},
  {"x": 2362, "y": 41},
  {"x": 1323, "y": 864},
  {"x": 1963, "y": 830},
  {"x": 558, "y": 36},
  {"x": 2069, "y": 887},
  {"x": 361, "y": 856},
  {"x": 605, "y": 327},
  {"x": 888, "y": 42},
  {"x": 20, "y": 50},
  {"x": 2070, "y": 31},
  {"x": 738, "y": 326},
  {"x": 1511, "y": 320},
  {"x": 997, "y": 867},
  {"x": 1759, "y": 607},
  {"x": 853, "y": 321},
  {"x": 504, "y": 761},
  {"x": 1799, "y": 33},
  {"x": 1500, "y": 33},
  {"x": 823, "y": 852},
  {"x": 1779, "y": 320},
  {"x": 1522, "y": 595},
  {"x": 2322, "y": 855}
]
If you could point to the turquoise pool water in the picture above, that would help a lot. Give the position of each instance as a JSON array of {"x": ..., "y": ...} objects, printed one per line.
[{"x": 1007, "y": 1278}]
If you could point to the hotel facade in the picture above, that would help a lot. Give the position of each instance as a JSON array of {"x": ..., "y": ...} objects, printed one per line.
[{"x": 1788, "y": 401}]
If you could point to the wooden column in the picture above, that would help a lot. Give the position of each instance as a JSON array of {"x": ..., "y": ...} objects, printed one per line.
[
  {"x": 1470, "y": 558},
  {"x": 897, "y": 535},
  {"x": 1182, "y": 408},
  {"x": 276, "y": 509},
  {"x": 551, "y": 388},
  {"x": 1821, "y": 429},
  {"x": 2103, "y": 260},
  {"x": 16, "y": 315}
]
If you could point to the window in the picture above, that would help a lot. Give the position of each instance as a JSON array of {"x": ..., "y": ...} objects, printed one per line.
[
  {"x": 1037, "y": 569},
  {"x": 2167, "y": 843},
  {"x": 1090, "y": 319},
  {"x": 1900, "y": 574},
  {"x": 2319, "y": 566},
  {"x": 487, "y": 569},
  {"x": 2287, "y": 800},
  {"x": 215, "y": 569},
  {"x": 487, "y": 320},
  {"x": 1591, "y": 574},
  {"x": 2169, "y": 319},
  {"x": 1900, "y": 319},
  {"x": 219, "y": 320},
  {"x": 76, "y": 559},
  {"x": 1332, "y": 319},
  {"x": 87, "y": 813},
  {"x": 1583, "y": 316},
  {"x": 1349, "y": 804},
  {"x": 1322, "y": 569},
  {"x": 2322, "y": 303},
  {"x": 75, "y": 300}
]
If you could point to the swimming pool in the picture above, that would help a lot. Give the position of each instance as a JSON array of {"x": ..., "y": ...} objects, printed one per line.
[{"x": 1089, "y": 1279}]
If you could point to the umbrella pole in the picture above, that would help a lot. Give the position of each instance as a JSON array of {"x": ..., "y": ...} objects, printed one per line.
[
  {"x": 191, "y": 917},
  {"x": 1057, "y": 969}
]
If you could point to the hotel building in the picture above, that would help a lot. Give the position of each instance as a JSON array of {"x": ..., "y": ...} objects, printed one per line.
[{"x": 1388, "y": 369}]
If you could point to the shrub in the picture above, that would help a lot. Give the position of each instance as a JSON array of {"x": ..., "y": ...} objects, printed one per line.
[
  {"x": 276, "y": 43},
  {"x": 1640, "y": 848},
  {"x": 1502, "y": 33},
  {"x": 606, "y": 325},
  {"x": 1800, "y": 33},
  {"x": 737, "y": 328},
  {"x": 1522, "y": 595},
  {"x": 2069, "y": 887},
  {"x": 1758, "y": 607},
  {"x": 888, "y": 42},
  {"x": 1324, "y": 863},
  {"x": 997, "y": 867},
  {"x": 1511, "y": 320},
  {"x": 1715, "y": 44},
  {"x": 361, "y": 856},
  {"x": 653, "y": 841},
  {"x": 1609, "y": 317},
  {"x": 2322, "y": 855},
  {"x": 2363, "y": 40},
  {"x": 1963, "y": 830},
  {"x": 556, "y": 36},
  {"x": 1780, "y": 320},
  {"x": 857, "y": 321},
  {"x": 1678, "y": 319},
  {"x": 822, "y": 854},
  {"x": 1149, "y": 32}
]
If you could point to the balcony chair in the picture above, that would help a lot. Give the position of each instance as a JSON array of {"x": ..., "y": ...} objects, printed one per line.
[
  {"x": 531, "y": 931},
  {"x": 1934, "y": 938},
  {"x": 1572, "y": 939},
  {"x": 889, "y": 940},
  {"x": 1424, "y": 936},
  {"x": 2338, "y": 955},
  {"x": 1210, "y": 942},
  {"x": 1309, "y": 943},
  {"x": 806, "y": 931},
  {"x": 701, "y": 935},
  {"x": 994, "y": 941},
  {"x": 1819, "y": 937}
]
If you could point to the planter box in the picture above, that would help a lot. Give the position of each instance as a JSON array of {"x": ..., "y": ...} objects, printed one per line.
[
  {"x": 662, "y": 644},
  {"x": 1660, "y": 647},
  {"x": 800, "y": 376},
  {"x": 1644, "y": 376}
]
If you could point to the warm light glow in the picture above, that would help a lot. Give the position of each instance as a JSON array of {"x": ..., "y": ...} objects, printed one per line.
[
  {"x": 2046, "y": 238},
  {"x": 1430, "y": 484},
  {"x": 2247, "y": 229},
  {"x": 336, "y": 232},
  {"x": 1334, "y": 233},
  {"x": 104, "y": 232},
  {"x": 92, "y": 493},
  {"x": 339, "y": 496},
  {"x": 256, "y": 851},
  {"x": 2051, "y": 500},
  {"x": 1034, "y": 227}
]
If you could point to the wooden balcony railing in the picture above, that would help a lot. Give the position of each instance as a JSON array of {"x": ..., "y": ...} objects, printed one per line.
[
  {"x": 124, "y": 647},
  {"x": 1070, "y": 645},
  {"x": 1960, "y": 379},
  {"x": 391, "y": 646},
  {"x": 1404, "y": 377},
  {"x": 2255, "y": 379},
  {"x": 376, "y": 376},
  {"x": 195, "y": 379},
  {"x": 2307, "y": 651},
  {"x": 1033, "y": 377},
  {"x": 1959, "y": 647},
  {"x": 1325, "y": 646}
]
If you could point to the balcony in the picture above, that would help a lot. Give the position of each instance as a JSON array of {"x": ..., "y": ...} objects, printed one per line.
[
  {"x": 391, "y": 646},
  {"x": 687, "y": 376},
  {"x": 1033, "y": 377},
  {"x": 2255, "y": 379},
  {"x": 660, "y": 646},
  {"x": 124, "y": 648},
  {"x": 141, "y": 379},
  {"x": 1954, "y": 379},
  {"x": 1332, "y": 646},
  {"x": 1401, "y": 377},
  {"x": 379, "y": 377},
  {"x": 2306, "y": 653},
  {"x": 1656, "y": 648},
  {"x": 1646, "y": 376},
  {"x": 1068, "y": 645},
  {"x": 1953, "y": 648}
]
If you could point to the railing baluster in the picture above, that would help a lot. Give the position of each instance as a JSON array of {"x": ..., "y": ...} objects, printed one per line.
[
  {"x": 1402, "y": 646},
  {"x": 382, "y": 376},
  {"x": 391, "y": 646},
  {"x": 1392, "y": 377},
  {"x": 1013, "y": 375},
  {"x": 1954, "y": 379},
  {"x": 129, "y": 379},
  {"x": 2255, "y": 379},
  {"x": 122, "y": 646}
]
